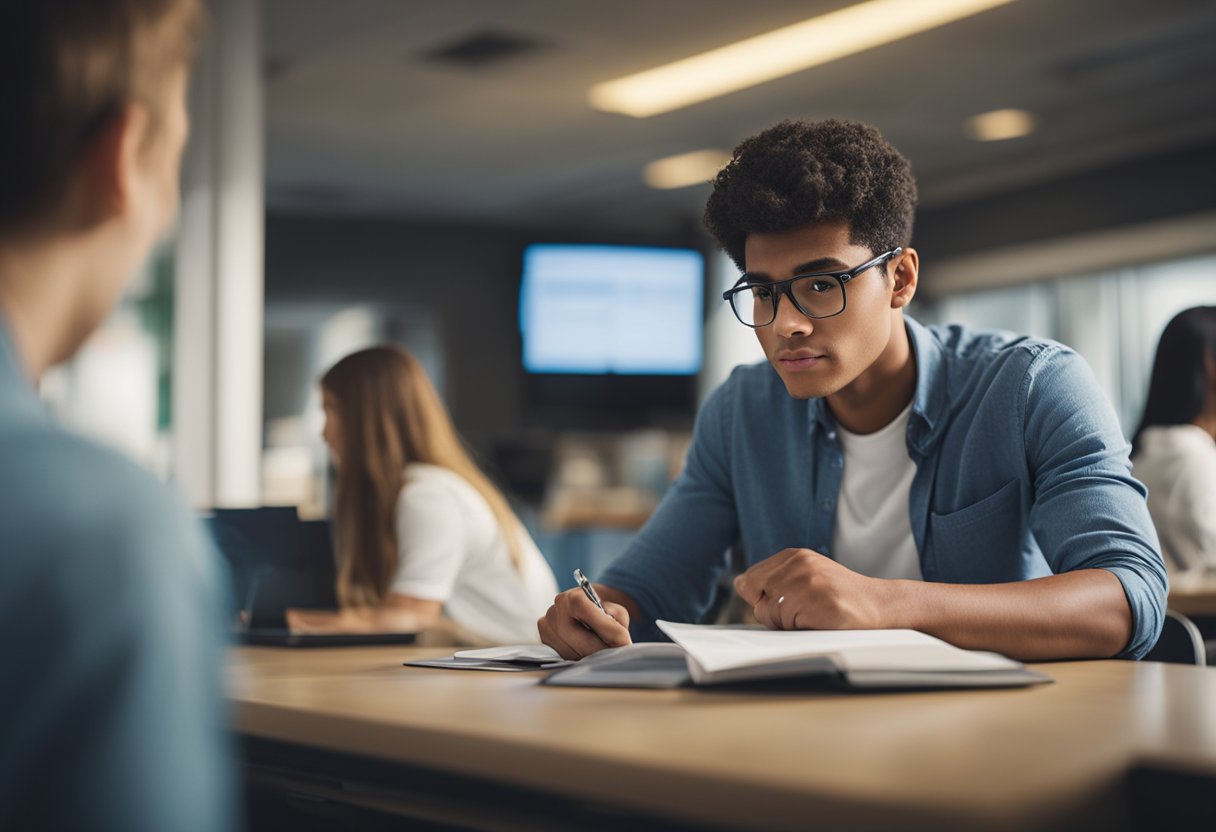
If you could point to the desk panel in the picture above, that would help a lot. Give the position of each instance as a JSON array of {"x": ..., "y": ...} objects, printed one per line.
[{"x": 1052, "y": 756}]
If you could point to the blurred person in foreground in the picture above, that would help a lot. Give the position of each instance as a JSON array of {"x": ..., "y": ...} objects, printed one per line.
[
  {"x": 421, "y": 533},
  {"x": 110, "y": 606},
  {"x": 882, "y": 474},
  {"x": 1174, "y": 449}
]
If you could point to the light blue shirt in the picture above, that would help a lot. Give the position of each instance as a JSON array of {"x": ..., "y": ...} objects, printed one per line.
[
  {"x": 110, "y": 637},
  {"x": 1021, "y": 472}
]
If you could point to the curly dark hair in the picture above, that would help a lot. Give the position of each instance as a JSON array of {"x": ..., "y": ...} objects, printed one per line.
[{"x": 798, "y": 173}]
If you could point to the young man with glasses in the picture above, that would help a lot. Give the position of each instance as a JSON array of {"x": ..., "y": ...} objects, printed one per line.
[{"x": 879, "y": 473}]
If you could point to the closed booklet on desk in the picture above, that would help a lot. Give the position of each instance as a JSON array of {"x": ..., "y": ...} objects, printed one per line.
[{"x": 714, "y": 655}]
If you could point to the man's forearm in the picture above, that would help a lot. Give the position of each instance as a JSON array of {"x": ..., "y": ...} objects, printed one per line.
[{"x": 1082, "y": 614}]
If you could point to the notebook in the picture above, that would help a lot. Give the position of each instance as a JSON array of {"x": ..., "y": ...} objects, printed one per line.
[
  {"x": 705, "y": 655},
  {"x": 282, "y": 637},
  {"x": 508, "y": 658}
]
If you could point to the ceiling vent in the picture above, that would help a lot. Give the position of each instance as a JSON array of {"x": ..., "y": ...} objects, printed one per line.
[{"x": 485, "y": 48}]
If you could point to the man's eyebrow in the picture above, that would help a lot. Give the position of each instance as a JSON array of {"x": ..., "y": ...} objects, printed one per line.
[{"x": 822, "y": 264}]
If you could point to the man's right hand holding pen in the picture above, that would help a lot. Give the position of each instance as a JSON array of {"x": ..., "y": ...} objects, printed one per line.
[{"x": 575, "y": 627}]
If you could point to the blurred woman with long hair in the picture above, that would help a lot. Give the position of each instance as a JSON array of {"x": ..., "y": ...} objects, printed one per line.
[
  {"x": 419, "y": 530},
  {"x": 1174, "y": 449}
]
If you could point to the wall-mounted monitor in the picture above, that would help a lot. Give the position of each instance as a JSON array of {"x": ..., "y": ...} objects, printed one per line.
[
  {"x": 601, "y": 310},
  {"x": 612, "y": 335}
]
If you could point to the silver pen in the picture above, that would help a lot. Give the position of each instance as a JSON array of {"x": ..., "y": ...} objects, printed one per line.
[{"x": 588, "y": 589}]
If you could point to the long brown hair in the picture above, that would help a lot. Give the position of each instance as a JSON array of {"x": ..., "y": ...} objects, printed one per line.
[{"x": 389, "y": 416}]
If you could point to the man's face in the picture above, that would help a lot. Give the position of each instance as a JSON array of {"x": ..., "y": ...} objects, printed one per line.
[
  {"x": 152, "y": 197},
  {"x": 821, "y": 357},
  {"x": 162, "y": 157}
]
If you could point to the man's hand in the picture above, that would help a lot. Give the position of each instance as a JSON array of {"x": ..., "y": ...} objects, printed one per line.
[
  {"x": 1074, "y": 615},
  {"x": 575, "y": 627},
  {"x": 798, "y": 589}
]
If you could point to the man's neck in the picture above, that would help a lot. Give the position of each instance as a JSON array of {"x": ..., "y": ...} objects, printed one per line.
[
  {"x": 878, "y": 395},
  {"x": 37, "y": 300}
]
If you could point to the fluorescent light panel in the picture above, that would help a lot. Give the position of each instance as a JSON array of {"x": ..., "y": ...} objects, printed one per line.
[
  {"x": 999, "y": 125},
  {"x": 775, "y": 54},
  {"x": 695, "y": 168}
]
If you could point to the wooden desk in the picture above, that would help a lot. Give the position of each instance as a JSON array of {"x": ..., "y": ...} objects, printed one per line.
[
  {"x": 1049, "y": 757},
  {"x": 1193, "y": 595}
]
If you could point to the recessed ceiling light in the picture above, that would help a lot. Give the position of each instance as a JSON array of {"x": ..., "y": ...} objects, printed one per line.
[
  {"x": 695, "y": 168},
  {"x": 999, "y": 125},
  {"x": 775, "y": 54}
]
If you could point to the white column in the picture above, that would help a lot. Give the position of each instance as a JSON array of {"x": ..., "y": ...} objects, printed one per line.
[{"x": 217, "y": 362}]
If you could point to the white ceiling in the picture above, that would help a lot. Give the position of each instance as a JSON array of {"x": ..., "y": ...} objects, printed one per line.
[{"x": 361, "y": 121}]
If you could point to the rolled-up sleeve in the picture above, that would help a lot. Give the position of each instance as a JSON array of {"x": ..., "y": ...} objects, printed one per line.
[
  {"x": 1088, "y": 511},
  {"x": 671, "y": 568}
]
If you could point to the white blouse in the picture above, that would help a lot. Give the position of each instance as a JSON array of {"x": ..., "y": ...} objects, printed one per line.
[
  {"x": 452, "y": 550},
  {"x": 1178, "y": 466}
]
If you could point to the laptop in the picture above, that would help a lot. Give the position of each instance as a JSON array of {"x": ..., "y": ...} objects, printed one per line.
[{"x": 279, "y": 562}]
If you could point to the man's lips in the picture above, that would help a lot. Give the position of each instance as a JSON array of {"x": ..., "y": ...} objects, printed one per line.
[{"x": 799, "y": 359}]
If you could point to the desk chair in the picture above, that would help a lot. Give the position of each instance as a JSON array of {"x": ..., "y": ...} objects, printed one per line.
[{"x": 1180, "y": 642}]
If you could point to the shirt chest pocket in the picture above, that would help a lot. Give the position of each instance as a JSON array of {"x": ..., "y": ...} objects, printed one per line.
[{"x": 980, "y": 543}]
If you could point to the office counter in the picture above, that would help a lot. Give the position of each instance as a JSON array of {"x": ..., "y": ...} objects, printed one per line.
[{"x": 354, "y": 726}]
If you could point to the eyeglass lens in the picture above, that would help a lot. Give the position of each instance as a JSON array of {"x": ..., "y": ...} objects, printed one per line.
[{"x": 818, "y": 296}]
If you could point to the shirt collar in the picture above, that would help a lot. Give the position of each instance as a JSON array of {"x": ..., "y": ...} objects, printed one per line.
[
  {"x": 10, "y": 366},
  {"x": 14, "y": 383},
  {"x": 932, "y": 397},
  {"x": 929, "y": 401}
]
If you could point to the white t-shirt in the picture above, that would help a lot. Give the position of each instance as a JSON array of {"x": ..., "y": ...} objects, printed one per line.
[
  {"x": 1177, "y": 464},
  {"x": 873, "y": 533},
  {"x": 452, "y": 550}
]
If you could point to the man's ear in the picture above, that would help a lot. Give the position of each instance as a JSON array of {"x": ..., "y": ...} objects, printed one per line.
[
  {"x": 110, "y": 165},
  {"x": 906, "y": 273}
]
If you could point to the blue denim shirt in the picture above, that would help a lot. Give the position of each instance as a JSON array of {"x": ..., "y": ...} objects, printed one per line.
[{"x": 1021, "y": 472}]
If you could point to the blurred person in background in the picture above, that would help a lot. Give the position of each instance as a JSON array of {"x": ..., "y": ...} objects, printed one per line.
[
  {"x": 1174, "y": 449},
  {"x": 420, "y": 532},
  {"x": 110, "y": 601}
]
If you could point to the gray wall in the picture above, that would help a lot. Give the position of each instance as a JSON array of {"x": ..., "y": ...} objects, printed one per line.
[
  {"x": 1173, "y": 184},
  {"x": 468, "y": 276}
]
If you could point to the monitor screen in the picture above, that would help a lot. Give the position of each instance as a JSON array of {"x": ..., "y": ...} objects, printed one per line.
[{"x": 601, "y": 310}]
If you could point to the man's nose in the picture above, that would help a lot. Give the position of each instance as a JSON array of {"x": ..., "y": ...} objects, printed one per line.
[{"x": 790, "y": 321}]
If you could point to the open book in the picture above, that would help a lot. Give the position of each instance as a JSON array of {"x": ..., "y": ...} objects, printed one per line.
[{"x": 710, "y": 655}]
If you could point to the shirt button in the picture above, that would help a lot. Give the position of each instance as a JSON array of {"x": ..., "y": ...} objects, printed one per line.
[
  {"x": 827, "y": 505},
  {"x": 832, "y": 435},
  {"x": 837, "y": 462}
]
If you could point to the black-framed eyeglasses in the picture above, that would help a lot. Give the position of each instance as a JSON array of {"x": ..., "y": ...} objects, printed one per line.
[{"x": 818, "y": 295}]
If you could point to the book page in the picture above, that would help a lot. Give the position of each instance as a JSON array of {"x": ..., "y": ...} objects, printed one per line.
[{"x": 721, "y": 649}]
